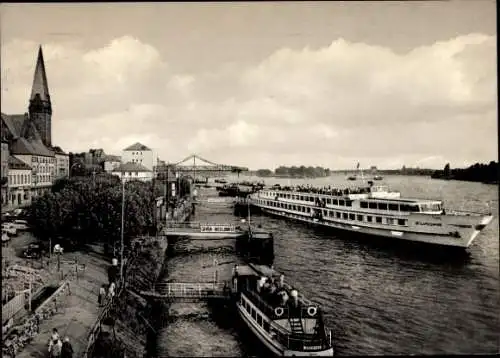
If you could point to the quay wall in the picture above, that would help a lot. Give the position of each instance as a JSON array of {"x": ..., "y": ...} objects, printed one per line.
[{"x": 128, "y": 329}]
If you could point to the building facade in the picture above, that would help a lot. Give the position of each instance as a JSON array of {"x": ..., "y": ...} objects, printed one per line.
[
  {"x": 19, "y": 193},
  {"x": 133, "y": 171},
  {"x": 111, "y": 162},
  {"x": 5, "y": 171},
  {"x": 140, "y": 154}
]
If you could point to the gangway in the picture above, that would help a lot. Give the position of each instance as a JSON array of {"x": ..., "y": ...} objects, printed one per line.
[{"x": 189, "y": 292}]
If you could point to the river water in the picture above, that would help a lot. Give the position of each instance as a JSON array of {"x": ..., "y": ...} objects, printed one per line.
[{"x": 377, "y": 299}]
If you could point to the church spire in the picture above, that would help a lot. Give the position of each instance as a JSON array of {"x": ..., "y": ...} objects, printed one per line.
[{"x": 40, "y": 85}]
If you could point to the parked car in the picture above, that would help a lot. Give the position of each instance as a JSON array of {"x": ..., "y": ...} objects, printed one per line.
[
  {"x": 5, "y": 236},
  {"x": 9, "y": 229},
  {"x": 33, "y": 251},
  {"x": 20, "y": 224}
]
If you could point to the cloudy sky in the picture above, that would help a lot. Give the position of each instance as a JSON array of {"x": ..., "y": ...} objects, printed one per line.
[{"x": 264, "y": 84}]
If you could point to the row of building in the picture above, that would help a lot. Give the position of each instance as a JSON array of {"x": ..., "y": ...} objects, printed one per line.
[{"x": 29, "y": 161}]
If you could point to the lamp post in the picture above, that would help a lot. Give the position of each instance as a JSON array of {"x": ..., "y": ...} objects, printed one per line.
[{"x": 123, "y": 226}]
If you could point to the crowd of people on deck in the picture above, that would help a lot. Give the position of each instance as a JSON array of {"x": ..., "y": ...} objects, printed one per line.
[
  {"x": 326, "y": 190},
  {"x": 276, "y": 294}
]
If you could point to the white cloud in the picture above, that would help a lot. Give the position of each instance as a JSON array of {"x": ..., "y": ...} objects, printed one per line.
[{"x": 331, "y": 106}]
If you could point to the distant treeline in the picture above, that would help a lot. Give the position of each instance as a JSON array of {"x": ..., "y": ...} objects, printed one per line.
[
  {"x": 294, "y": 172},
  {"x": 485, "y": 173}
]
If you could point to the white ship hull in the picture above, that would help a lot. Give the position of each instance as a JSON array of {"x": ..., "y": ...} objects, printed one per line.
[
  {"x": 447, "y": 230},
  {"x": 270, "y": 343}
]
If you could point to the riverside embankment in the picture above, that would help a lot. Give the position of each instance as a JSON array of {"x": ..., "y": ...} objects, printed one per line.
[
  {"x": 133, "y": 317},
  {"x": 199, "y": 329}
]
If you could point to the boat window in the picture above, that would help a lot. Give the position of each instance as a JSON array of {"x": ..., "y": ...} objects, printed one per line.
[
  {"x": 311, "y": 198},
  {"x": 348, "y": 203},
  {"x": 369, "y": 219},
  {"x": 394, "y": 207},
  {"x": 352, "y": 217},
  {"x": 294, "y": 207},
  {"x": 266, "y": 326},
  {"x": 382, "y": 206},
  {"x": 372, "y": 205},
  {"x": 390, "y": 221},
  {"x": 335, "y": 202},
  {"x": 341, "y": 202},
  {"x": 259, "y": 319},
  {"x": 344, "y": 215},
  {"x": 436, "y": 207},
  {"x": 378, "y": 219},
  {"x": 330, "y": 213},
  {"x": 328, "y": 201},
  {"x": 308, "y": 210},
  {"x": 254, "y": 314},
  {"x": 360, "y": 217},
  {"x": 413, "y": 208},
  {"x": 302, "y": 197},
  {"x": 363, "y": 204},
  {"x": 325, "y": 213},
  {"x": 401, "y": 222},
  {"x": 337, "y": 213},
  {"x": 288, "y": 196}
]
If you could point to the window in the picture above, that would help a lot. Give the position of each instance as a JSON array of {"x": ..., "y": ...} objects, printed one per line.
[
  {"x": 328, "y": 201},
  {"x": 352, "y": 217},
  {"x": 337, "y": 214},
  {"x": 378, "y": 219},
  {"x": 401, "y": 221},
  {"x": 266, "y": 326},
  {"x": 335, "y": 202},
  {"x": 369, "y": 218},
  {"x": 129, "y": 174},
  {"x": 372, "y": 205},
  {"x": 382, "y": 206},
  {"x": 390, "y": 221},
  {"x": 341, "y": 202},
  {"x": 364, "y": 204},
  {"x": 348, "y": 203},
  {"x": 308, "y": 210},
  {"x": 360, "y": 217},
  {"x": 344, "y": 216},
  {"x": 394, "y": 207}
]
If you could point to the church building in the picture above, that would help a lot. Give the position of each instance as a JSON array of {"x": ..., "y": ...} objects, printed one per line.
[{"x": 30, "y": 148}]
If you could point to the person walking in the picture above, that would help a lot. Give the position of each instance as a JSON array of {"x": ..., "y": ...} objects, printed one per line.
[
  {"x": 55, "y": 346},
  {"x": 66, "y": 349},
  {"x": 102, "y": 295}
]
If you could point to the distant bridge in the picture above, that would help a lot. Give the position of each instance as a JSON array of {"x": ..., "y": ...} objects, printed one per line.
[
  {"x": 195, "y": 165},
  {"x": 189, "y": 292}
]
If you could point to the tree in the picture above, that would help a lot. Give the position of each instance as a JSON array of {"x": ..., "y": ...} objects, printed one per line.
[
  {"x": 90, "y": 210},
  {"x": 446, "y": 170}
]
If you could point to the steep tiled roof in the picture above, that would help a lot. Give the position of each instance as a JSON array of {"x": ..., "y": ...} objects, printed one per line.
[
  {"x": 40, "y": 85},
  {"x": 35, "y": 147},
  {"x": 137, "y": 146},
  {"x": 14, "y": 123},
  {"x": 112, "y": 158},
  {"x": 15, "y": 163},
  {"x": 131, "y": 167},
  {"x": 58, "y": 150}
]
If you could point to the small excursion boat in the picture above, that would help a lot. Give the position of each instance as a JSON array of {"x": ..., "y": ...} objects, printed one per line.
[
  {"x": 204, "y": 230},
  {"x": 287, "y": 323}
]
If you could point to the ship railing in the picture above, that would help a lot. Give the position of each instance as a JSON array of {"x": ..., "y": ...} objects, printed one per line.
[
  {"x": 467, "y": 213},
  {"x": 269, "y": 310},
  {"x": 298, "y": 342}
]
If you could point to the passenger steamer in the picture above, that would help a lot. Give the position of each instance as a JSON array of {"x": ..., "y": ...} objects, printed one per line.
[
  {"x": 285, "y": 322},
  {"x": 376, "y": 211}
]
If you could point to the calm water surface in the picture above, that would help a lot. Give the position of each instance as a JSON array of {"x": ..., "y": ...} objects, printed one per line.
[{"x": 378, "y": 300}]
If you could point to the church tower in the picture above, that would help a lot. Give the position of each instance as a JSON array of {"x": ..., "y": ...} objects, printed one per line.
[{"x": 40, "y": 108}]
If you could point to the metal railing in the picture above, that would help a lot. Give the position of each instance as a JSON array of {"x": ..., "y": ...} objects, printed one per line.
[{"x": 189, "y": 290}]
